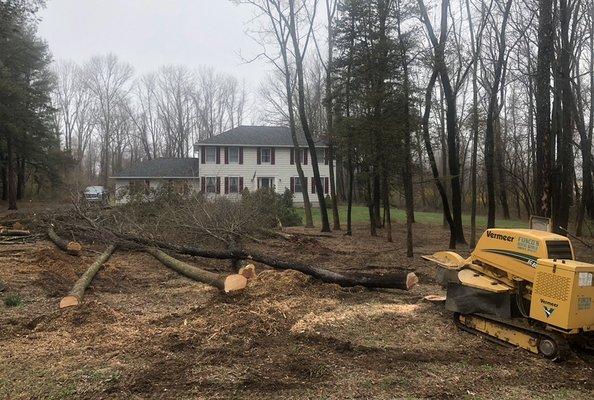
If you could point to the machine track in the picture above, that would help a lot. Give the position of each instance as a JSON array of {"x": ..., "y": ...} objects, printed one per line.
[{"x": 550, "y": 345}]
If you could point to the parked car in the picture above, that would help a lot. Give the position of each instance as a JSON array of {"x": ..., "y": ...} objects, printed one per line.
[{"x": 96, "y": 194}]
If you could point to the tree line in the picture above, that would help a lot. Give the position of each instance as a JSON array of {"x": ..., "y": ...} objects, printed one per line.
[
  {"x": 466, "y": 105},
  {"x": 110, "y": 118}
]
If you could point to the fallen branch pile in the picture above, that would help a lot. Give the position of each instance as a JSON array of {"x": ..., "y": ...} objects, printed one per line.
[
  {"x": 229, "y": 283},
  {"x": 76, "y": 295}
]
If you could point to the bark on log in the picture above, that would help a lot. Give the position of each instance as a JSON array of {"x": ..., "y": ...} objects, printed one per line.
[
  {"x": 73, "y": 248},
  {"x": 76, "y": 295},
  {"x": 14, "y": 232},
  {"x": 395, "y": 280},
  {"x": 228, "y": 283}
]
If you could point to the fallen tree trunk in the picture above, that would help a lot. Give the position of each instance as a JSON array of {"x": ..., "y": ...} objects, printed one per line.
[
  {"x": 76, "y": 295},
  {"x": 227, "y": 283},
  {"x": 396, "y": 280},
  {"x": 69, "y": 247},
  {"x": 14, "y": 232}
]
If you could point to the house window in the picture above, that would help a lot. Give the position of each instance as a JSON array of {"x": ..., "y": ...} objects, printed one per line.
[
  {"x": 325, "y": 185},
  {"x": 266, "y": 183},
  {"x": 265, "y": 155},
  {"x": 297, "y": 188},
  {"x": 233, "y": 153},
  {"x": 210, "y": 154},
  {"x": 234, "y": 184},
  {"x": 211, "y": 184},
  {"x": 321, "y": 154}
]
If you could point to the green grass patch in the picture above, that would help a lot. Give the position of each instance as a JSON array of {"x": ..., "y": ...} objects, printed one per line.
[
  {"x": 361, "y": 214},
  {"x": 13, "y": 300}
]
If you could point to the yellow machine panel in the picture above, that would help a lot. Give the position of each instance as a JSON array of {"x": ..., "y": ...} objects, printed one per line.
[
  {"x": 562, "y": 294},
  {"x": 518, "y": 250}
]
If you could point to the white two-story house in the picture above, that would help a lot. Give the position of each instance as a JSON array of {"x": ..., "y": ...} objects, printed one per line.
[{"x": 259, "y": 157}]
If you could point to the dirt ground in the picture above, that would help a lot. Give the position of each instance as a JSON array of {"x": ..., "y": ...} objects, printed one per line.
[{"x": 143, "y": 331}]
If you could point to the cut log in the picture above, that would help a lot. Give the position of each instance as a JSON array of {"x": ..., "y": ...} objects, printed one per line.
[
  {"x": 227, "y": 283},
  {"x": 14, "y": 232},
  {"x": 249, "y": 271},
  {"x": 76, "y": 295},
  {"x": 69, "y": 247},
  {"x": 396, "y": 280}
]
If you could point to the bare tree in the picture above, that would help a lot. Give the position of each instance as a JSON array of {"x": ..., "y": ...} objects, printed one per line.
[{"x": 109, "y": 81}]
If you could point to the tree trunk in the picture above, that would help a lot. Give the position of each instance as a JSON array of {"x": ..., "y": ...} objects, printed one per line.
[
  {"x": 407, "y": 170},
  {"x": 303, "y": 117},
  {"x": 350, "y": 188},
  {"x": 292, "y": 125},
  {"x": 427, "y": 138},
  {"x": 20, "y": 192},
  {"x": 565, "y": 169},
  {"x": 388, "y": 219},
  {"x": 227, "y": 284},
  {"x": 11, "y": 173},
  {"x": 544, "y": 160},
  {"x": 77, "y": 293},
  {"x": 330, "y": 119},
  {"x": 370, "y": 207},
  {"x": 492, "y": 115}
]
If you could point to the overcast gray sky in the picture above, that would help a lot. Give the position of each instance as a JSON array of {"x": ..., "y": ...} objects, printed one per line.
[{"x": 151, "y": 33}]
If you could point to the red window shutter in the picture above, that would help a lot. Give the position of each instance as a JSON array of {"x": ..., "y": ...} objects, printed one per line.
[
  {"x": 292, "y": 185},
  {"x": 292, "y": 154},
  {"x": 241, "y": 155},
  {"x": 218, "y": 155},
  {"x": 226, "y": 155},
  {"x": 202, "y": 155},
  {"x": 226, "y": 185},
  {"x": 304, "y": 156},
  {"x": 258, "y": 156},
  {"x": 272, "y": 156},
  {"x": 326, "y": 154},
  {"x": 218, "y": 185},
  {"x": 240, "y": 183},
  {"x": 326, "y": 181},
  {"x": 203, "y": 184}
]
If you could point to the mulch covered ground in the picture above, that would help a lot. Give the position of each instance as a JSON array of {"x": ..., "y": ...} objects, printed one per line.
[{"x": 143, "y": 331}]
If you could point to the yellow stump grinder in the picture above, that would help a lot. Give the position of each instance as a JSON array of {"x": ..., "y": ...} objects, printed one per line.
[{"x": 521, "y": 287}]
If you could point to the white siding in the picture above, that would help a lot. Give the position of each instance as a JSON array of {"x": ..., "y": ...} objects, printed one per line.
[{"x": 281, "y": 171}]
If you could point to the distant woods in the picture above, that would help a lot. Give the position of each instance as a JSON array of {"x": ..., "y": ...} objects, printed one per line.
[{"x": 111, "y": 117}]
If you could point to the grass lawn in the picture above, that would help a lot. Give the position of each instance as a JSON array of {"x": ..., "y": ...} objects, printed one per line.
[{"x": 361, "y": 214}]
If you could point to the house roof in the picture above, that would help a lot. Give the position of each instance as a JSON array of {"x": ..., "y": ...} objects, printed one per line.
[
  {"x": 279, "y": 136},
  {"x": 162, "y": 168}
]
